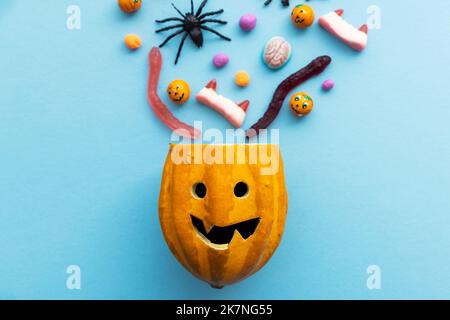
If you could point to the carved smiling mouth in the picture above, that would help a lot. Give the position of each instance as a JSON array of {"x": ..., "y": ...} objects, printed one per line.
[{"x": 220, "y": 237}]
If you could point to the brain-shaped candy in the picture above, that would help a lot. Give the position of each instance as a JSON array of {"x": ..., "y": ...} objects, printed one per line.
[{"x": 276, "y": 52}]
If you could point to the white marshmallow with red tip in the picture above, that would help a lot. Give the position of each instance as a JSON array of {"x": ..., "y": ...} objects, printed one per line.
[
  {"x": 234, "y": 113},
  {"x": 334, "y": 24}
]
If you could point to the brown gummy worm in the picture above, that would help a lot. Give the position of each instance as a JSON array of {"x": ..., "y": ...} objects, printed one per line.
[{"x": 314, "y": 68}]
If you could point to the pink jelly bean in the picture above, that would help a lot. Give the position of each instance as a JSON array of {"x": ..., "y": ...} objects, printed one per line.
[
  {"x": 248, "y": 22},
  {"x": 220, "y": 60},
  {"x": 328, "y": 85}
]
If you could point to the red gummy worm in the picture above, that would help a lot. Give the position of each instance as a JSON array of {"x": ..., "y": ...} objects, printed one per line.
[
  {"x": 159, "y": 108},
  {"x": 316, "y": 67}
]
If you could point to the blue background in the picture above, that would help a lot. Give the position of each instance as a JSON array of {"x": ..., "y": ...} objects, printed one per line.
[{"x": 81, "y": 153}]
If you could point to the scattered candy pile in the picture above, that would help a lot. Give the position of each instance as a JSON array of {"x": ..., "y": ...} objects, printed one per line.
[{"x": 276, "y": 54}]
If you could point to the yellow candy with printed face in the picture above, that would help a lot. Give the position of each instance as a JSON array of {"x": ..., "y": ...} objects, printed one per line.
[
  {"x": 302, "y": 16},
  {"x": 179, "y": 91},
  {"x": 301, "y": 104}
]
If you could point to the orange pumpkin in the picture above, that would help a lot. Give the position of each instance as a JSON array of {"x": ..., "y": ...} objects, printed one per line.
[
  {"x": 130, "y": 6},
  {"x": 223, "y": 216}
]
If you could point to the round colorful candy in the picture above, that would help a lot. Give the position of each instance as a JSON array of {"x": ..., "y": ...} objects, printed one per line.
[
  {"x": 248, "y": 22},
  {"x": 302, "y": 16},
  {"x": 130, "y": 6},
  {"x": 220, "y": 60},
  {"x": 132, "y": 41},
  {"x": 179, "y": 91},
  {"x": 242, "y": 78},
  {"x": 301, "y": 104},
  {"x": 327, "y": 85}
]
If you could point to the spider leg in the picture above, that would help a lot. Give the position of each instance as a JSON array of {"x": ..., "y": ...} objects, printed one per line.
[
  {"x": 181, "y": 47},
  {"x": 169, "y": 19},
  {"x": 212, "y": 13},
  {"x": 213, "y": 21},
  {"x": 200, "y": 8},
  {"x": 215, "y": 32},
  {"x": 170, "y": 27},
  {"x": 170, "y": 37},
  {"x": 267, "y": 2},
  {"x": 192, "y": 7},
  {"x": 178, "y": 10}
]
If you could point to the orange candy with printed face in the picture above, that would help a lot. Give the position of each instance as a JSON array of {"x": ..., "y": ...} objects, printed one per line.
[
  {"x": 301, "y": 104},
  {"x": 302, "y": 16},
  {"x": 130, "y": 6},
  {"x": 179, "y": 91}
]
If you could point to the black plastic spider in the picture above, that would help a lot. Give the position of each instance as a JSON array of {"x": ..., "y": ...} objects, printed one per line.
[
  {"x": 192, "y": 25},
  {"x": 283, "y": 2}
]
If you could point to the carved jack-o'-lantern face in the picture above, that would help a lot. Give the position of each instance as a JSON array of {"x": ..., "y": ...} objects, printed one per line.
[{"x": 223, "y": 215}]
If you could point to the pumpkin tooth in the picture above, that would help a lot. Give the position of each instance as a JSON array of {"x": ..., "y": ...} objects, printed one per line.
[
  {"x": 221, "y": 235},
  {"x": 237, "y": 237},
  {"x": 207, "y": 225},
  {"x": 247, "y": 228}
]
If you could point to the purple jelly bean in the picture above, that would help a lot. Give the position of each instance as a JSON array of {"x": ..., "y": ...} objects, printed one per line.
[
  {"x": 328, "y": 85},
  {"x": 220, "y": 60},
  {"x": 248, "y": 22}
]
